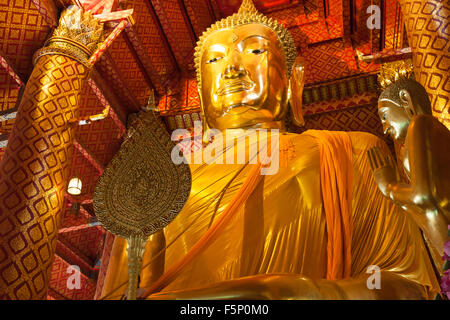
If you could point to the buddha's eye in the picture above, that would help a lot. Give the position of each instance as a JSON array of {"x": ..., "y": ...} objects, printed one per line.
[
  {"x": 258, "y": 51},
  {"x": 213, "y": 60}
]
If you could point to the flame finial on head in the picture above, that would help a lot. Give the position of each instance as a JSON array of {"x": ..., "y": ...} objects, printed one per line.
[{"x": 247, "y": 6}]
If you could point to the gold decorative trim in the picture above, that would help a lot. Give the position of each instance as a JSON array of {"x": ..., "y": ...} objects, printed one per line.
[
  {"x": 69, "y": 41},
  {"x": 81, "y": 58},
  {"x": 142, "y": 190}
]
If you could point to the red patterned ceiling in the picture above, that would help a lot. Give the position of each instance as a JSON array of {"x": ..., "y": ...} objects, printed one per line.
[{"x": 228, "y": 7}]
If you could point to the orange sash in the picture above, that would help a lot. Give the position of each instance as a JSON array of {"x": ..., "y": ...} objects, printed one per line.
[
  {"x": 336, "y": 180},
  {"x": 336, "y": 185}
]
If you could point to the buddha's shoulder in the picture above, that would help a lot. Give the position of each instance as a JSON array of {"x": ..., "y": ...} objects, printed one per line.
[
  {"x": 298, "y": 139},
  {"x": 364, "y": 140},
  {"x": 361, "y": 141},
  {"x": 301, "y": 151}
]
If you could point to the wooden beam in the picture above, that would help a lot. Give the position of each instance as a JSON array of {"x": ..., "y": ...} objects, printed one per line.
[
  {"x": 11, "y": 70},
  {"x": 188, "y": 21},
  {"x": 88, "y": 156},
  {"x": 110, "y": 73},
  {"x": 105, "y": 258},
  {"x": 79, "y": 227},
  {"x": 48, "y": 10},
  {"x": 73, "y": 256},
  {"x": 112, "y": 111},
  {"x": 162, "y": 34},
  {"x": 168, "y": 32},
  {"x": 144, "y": 61},
  {"x": 109, "y": 95},
  {"x": 56, "y": 295}
]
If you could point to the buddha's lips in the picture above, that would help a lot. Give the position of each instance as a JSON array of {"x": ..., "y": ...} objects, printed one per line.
[
  {"x": 238, "y": 109},
  {"x": 234, "y": 86}
]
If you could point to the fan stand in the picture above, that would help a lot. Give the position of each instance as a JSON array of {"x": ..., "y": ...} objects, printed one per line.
[{"x": 135, "y": 250}]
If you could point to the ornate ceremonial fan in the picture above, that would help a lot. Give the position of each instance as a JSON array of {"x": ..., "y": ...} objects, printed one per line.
[{"x": 141, "y": 190}]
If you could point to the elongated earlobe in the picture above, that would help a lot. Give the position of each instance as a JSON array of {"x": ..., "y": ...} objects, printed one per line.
[
  {"x": 295, "y": 94},
  {"x": 407, "y": 103},
  {"x": 289, "y": 93},
  {"x": 205, "y": 129},
  {"x": 205, "y": 126}
]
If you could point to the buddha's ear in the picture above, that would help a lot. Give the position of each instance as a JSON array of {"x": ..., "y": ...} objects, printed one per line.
[
  {"x": 406, "y": 102},
  {"x": 205, "y": 131},
  {"x": 205, "y": 126},
  {"x": 295, "y": 91},
  {"x": 289, "y": 93}
]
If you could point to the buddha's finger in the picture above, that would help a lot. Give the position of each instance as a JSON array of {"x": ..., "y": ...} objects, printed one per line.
[
  {"x": 383, "y": 157},
  {"x": 371, "y": 159},
  {"x": 394, "y": 167},
  {"x": 378, "y": 161},
  {"x": 389, "y": 161},
  {"x": 374, "y": 159}
]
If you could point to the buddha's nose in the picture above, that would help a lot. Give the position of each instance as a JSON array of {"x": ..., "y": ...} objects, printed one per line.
[
  {"x": 234, "y": 68},
  {"x": 233, "y": 71}
]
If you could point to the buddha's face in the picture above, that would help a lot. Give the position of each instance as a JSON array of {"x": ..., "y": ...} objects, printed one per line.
[
  {"x": 394, "y": 119},
  {"x": 244, "y": 82}
]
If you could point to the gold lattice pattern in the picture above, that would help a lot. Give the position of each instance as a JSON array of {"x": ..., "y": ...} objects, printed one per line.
[
  {"x": 428, "y": 33},
  {"x": 33, "y": 175}
]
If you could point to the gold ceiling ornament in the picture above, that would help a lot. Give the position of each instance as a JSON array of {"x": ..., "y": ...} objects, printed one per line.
[
  {"x": 248, "y": 14},
  {"x": 77, "y": 36},
  {"x": 80, "y": 27},
  {"x": 142, "y": 190},
  {"x": 394, "y": 71}
]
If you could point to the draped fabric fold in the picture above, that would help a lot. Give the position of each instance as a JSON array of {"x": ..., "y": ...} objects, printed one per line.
[
  {"x": 239, "y": 199},
  {"x": 320, "y": 216},
  {"x": 336, "y": 179}
]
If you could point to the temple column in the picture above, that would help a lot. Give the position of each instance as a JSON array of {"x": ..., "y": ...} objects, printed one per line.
[
  {"x": 35, "y": 166},
  {"x": 426, "y": 24}
]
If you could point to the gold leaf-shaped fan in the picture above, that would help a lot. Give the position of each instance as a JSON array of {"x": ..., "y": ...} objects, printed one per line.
[{"x": 141, "y": 190}]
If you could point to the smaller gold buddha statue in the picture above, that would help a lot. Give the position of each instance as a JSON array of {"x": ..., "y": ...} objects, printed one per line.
[{"x": 405, "y": 112}]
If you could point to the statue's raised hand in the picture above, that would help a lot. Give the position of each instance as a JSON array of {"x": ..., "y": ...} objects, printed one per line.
[{"x": 383, "y": 168}]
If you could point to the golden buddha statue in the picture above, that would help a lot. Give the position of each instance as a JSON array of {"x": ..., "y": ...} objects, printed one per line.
[
  {"x": 312, "y": 230},
  {"x": 405, "y": 112}
]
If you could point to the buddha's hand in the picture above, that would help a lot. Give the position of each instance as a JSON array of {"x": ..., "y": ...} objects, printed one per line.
[
  {"x": 383, "y": 168},
  {"x": 292, "y": 286}
]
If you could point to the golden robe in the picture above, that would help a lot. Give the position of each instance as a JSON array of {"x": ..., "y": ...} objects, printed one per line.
[{"x": 293, "y": 222}]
